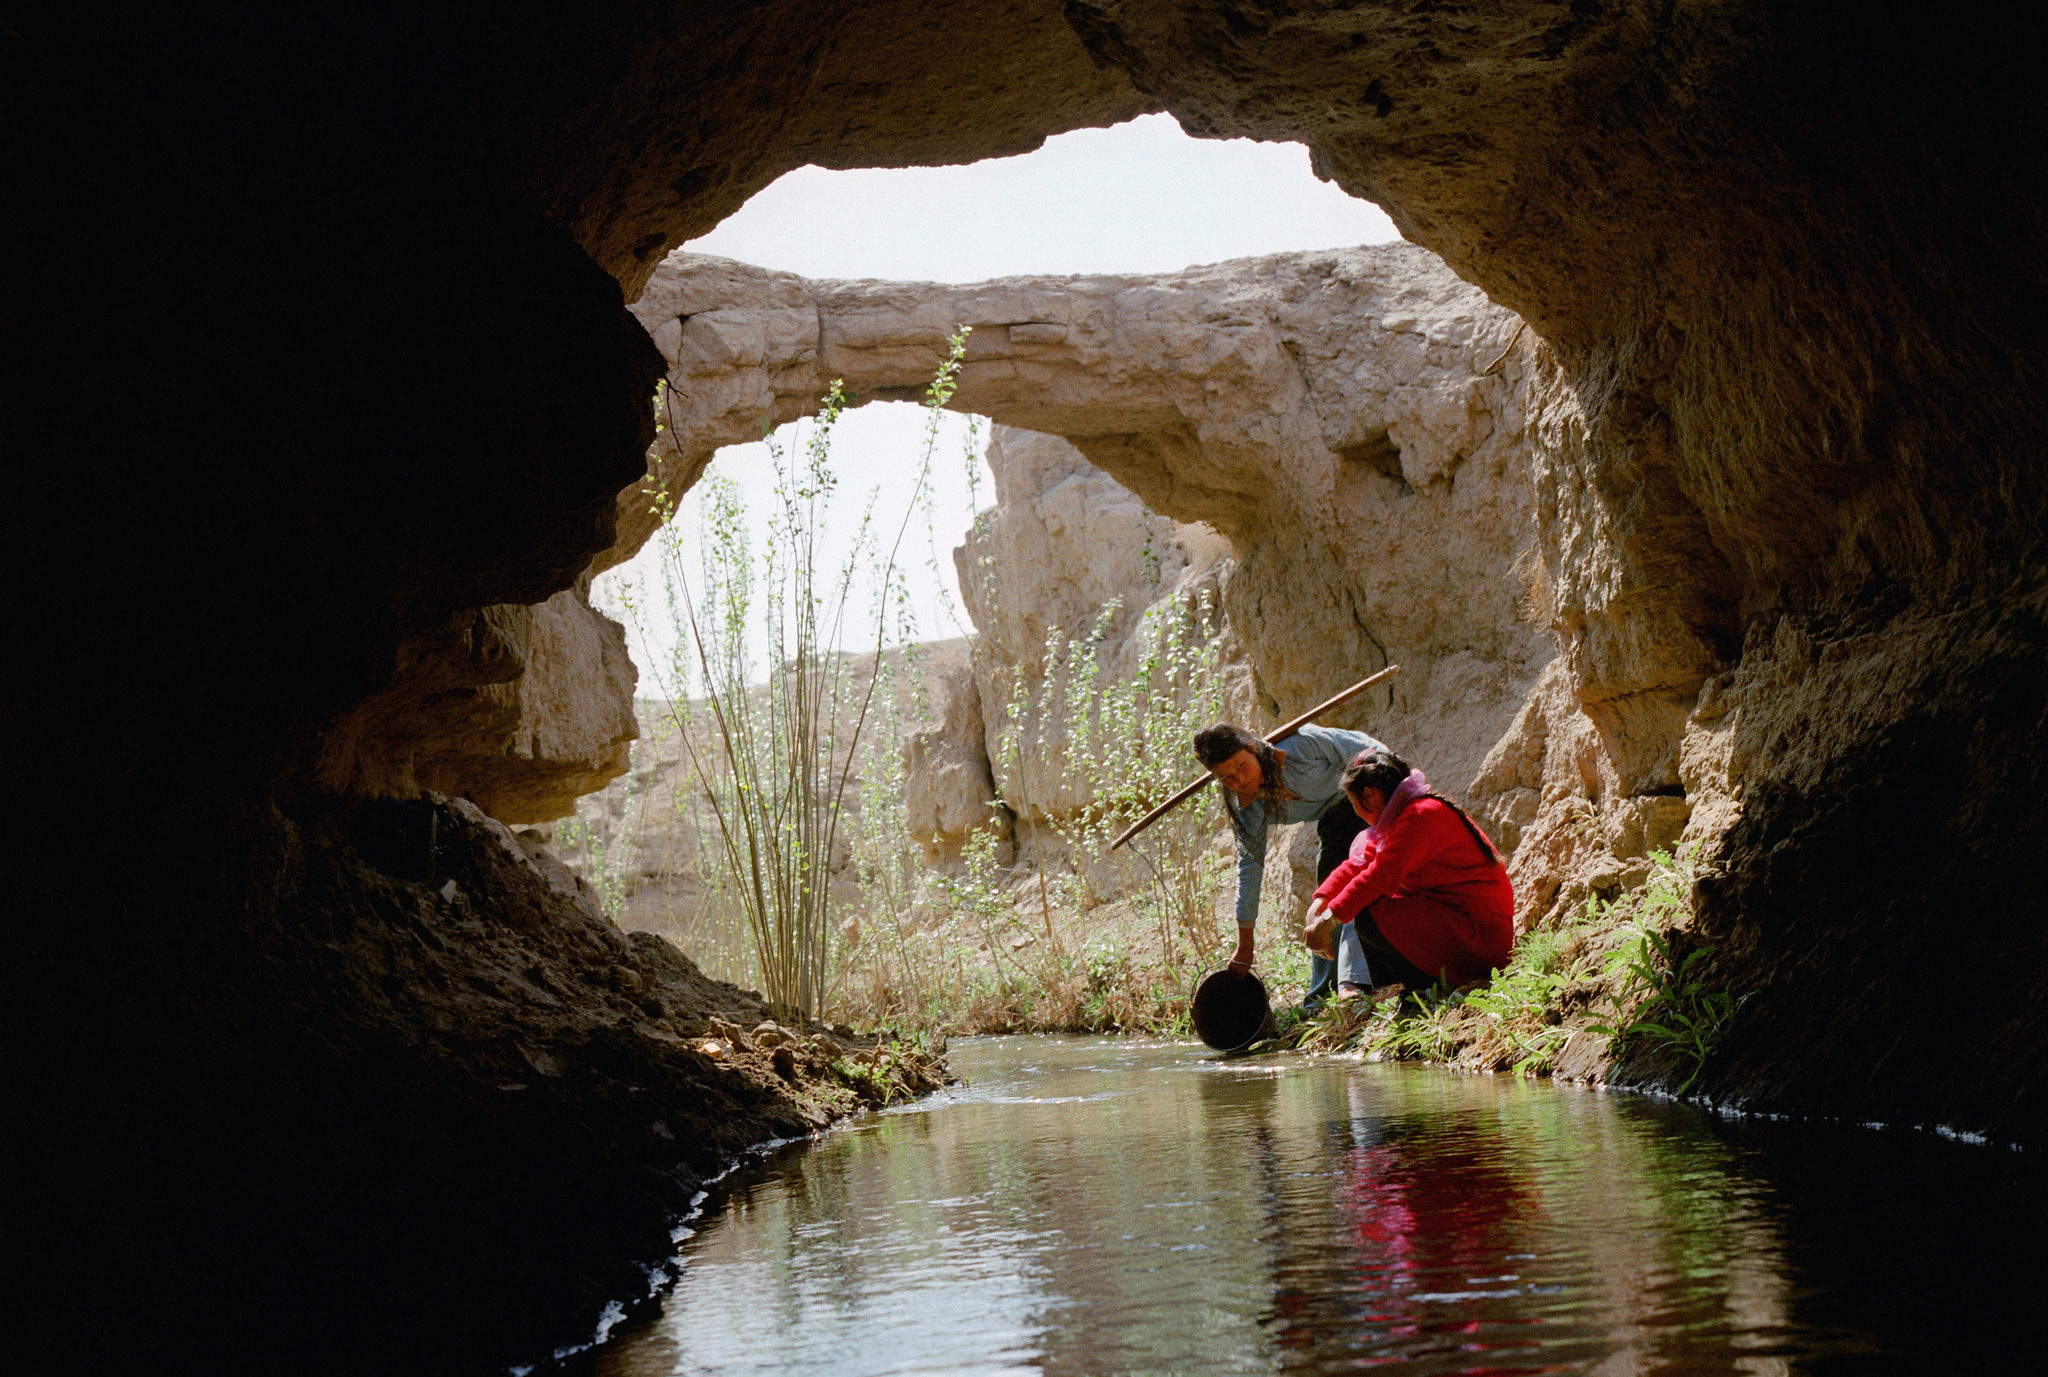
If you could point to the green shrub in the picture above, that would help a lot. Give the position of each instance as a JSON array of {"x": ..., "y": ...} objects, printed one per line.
[
  {"x": 772, "y": 759},
  {"x": 1663, "y": 998},
  {"x": 1521, "y": 1001}
]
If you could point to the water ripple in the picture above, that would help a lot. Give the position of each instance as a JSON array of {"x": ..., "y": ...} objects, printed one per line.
[{"x": 1098, "y": 1206}]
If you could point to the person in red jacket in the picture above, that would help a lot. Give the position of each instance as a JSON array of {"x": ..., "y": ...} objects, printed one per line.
[{"x": 1425, "y": 888}]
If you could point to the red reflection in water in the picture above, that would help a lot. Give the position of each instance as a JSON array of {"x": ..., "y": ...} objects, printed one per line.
[{"x": 1426, "y": 1214}]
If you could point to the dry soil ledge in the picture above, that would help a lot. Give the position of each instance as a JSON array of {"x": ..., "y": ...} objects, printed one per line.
[{"x": 433, "y": 1111}]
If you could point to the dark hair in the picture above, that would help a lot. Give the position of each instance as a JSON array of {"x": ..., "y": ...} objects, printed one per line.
[
  {"x": 1216, "y": 744},
  {"x": 1381, "y": 770},
  {"x": 1384, "y": 771}
]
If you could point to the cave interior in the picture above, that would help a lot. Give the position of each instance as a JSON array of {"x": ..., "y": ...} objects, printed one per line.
[{"x": 343, "y": 292}]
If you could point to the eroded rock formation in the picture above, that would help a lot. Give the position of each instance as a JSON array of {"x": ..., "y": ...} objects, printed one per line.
[
  {"x": 1364, "y": 429},
  {"x": 949, "y": 787},
  {"x": 521, "y": 709},
  {"x": 1069, "y": 556},
  {"x": 1354, "y": 423},
  {"x": 1781, "y": 264}
]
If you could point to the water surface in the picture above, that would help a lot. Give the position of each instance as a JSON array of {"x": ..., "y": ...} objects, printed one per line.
[{"x": 1093, "y": 1205}]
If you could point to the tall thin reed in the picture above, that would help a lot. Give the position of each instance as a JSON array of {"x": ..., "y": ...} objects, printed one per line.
[{"x": 775, "y": 769}]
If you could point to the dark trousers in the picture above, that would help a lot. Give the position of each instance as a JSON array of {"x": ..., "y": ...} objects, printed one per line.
[
  {"x": 1389, "y": 967},
  {"x": 1334, "y": 833}
]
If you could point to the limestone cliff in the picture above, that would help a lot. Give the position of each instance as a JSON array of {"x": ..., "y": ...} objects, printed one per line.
[
  {"x": 1355, "y": 424},
  {"x": 949, "y": 787},
  {"x": 1781, "y": 266},
  {"x": 1063, "y": 543}
]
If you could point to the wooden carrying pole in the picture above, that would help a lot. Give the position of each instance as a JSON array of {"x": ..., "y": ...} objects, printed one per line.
[{"x": 1273, "y": 738}]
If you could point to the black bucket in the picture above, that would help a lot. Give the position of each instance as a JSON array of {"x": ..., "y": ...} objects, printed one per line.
[{"x": 1229, "y": 1011}]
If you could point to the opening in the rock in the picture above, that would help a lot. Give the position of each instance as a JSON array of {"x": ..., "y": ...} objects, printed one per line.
[
  {"x": 1139, "y": 197},
  {"x": 1685, "y": 459},
  {"x": 1180, "y": 358},
  {"x": 1142, "y": 197}
]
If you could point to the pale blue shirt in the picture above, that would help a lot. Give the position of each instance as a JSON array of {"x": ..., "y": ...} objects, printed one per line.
[{"x": 1313, "y": 771}]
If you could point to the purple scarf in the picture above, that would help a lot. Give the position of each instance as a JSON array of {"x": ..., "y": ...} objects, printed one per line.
[{"x": 1405, "y": 793}]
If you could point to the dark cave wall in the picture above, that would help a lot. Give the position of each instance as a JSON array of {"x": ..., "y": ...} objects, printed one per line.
[
  {"x": 319, "y": 341},
  {"x": 1787, "y": 263},
  {"x": 321, "y": 347},
  {"x": 350, "y": 281}
]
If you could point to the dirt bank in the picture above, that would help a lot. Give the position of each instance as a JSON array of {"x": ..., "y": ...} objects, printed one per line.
[{"x": 430, "y": 1111}]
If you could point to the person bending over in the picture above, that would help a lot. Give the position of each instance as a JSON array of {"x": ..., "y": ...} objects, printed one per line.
[
  {"x": 1295, "y": 782},
  {"x": 1424, "y": 891}
]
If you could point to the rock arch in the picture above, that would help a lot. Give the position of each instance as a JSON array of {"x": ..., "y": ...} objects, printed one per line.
[
  {"x": 1782, "y": 264},
  {"x": 1240, "y": 395}
]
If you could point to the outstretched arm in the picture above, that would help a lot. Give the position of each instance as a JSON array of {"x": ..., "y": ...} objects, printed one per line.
[
  {"x": 1406, "y": 845},
  {"x": 1241, "y": 960},
  {"x": 1250, "y": 826}
]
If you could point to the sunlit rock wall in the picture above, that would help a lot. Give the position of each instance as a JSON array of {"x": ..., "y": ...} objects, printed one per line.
[
  {"x": 1069, "y": 558},
  {"x": 1355, "y": 424},
  {"x": 523, "y": 709}
]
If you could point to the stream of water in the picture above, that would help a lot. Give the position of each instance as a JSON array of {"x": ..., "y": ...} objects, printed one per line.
[{"x": 1096, "y": 1205}]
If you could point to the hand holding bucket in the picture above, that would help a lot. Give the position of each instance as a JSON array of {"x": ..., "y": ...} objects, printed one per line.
[{"x": 1229, "y": 1009}]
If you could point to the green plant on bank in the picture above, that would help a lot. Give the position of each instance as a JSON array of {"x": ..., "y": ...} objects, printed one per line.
[
  {"x": 887, "y": 862},
  {"x": 1661, "y": 998},
  {"x": 1415, "y": 1025},
  {"x": 774, "y": 759},
  {"x": 977, "y": 947},
  {"x": 982, "y": 952},
  {"x": 1521, "y": 1002},
  {"x": 873, "y": 1075},
  {"x": 1517, "y": 1019},
  {"x": 1419, "y": 1026}
]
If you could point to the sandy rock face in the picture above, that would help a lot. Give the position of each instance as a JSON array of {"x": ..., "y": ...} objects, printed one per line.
[
  {"x": 948, "y": 788},
  {"x": 522, "y": 709},
  {"x": 1069, "y": 555},
  {"x": 1354, "y": 423}
]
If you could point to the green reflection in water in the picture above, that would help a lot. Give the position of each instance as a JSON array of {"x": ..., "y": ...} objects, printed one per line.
[{"x": 1093, "y": 1205}]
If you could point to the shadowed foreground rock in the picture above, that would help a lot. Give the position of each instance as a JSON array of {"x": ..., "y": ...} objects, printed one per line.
[
  {"x": 521, "y": 709},
  {"x": 430, "y": 1111},
  {"x": 321, "y": 343}
]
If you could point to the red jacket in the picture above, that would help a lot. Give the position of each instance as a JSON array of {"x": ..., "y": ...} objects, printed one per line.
[{"x": 1436, "y": 894}]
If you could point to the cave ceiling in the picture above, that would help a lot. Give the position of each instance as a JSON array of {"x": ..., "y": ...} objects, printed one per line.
[{"x": 358, "y": 276}]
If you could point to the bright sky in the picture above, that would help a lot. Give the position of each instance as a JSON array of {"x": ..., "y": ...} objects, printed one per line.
[{"x": 1139, "y": 197}]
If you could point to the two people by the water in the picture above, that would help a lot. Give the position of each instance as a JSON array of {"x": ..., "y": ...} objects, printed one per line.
[{"x": 1432, "y": 906}]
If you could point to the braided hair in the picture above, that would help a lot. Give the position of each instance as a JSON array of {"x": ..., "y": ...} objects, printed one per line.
[{"x": 1384, "y": 771}]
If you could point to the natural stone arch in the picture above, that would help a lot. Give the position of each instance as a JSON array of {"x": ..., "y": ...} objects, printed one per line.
[
  {"x": 1789, "y": 392},
  {"x": 1785, "y": 260},
  {"x": 1338, "y": 416}
]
